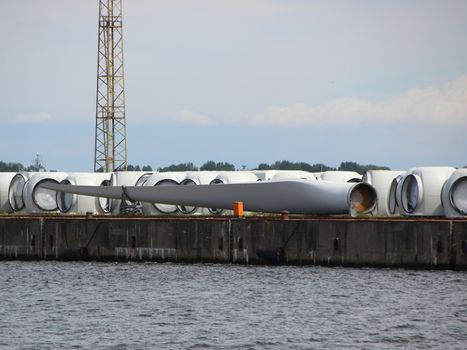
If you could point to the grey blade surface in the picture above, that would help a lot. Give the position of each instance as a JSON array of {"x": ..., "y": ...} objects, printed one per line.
[{"x": 295, "y": 196}]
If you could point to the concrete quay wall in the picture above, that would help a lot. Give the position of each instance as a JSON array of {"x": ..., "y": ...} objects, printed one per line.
[{"x": 412, "y": 243}]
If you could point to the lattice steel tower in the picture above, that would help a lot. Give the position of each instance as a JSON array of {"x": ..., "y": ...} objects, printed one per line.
[{"x": 110, "y": 145}]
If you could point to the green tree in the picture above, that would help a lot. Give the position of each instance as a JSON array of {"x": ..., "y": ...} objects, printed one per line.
[
  {"x": 288, "y": 165},
  {"x": 180, "y": 167},
  {"x": 319, "y": 167},
  {"x": 11, "y": 167},
  {"x": 133, "y": 167},
  {"x": 361, "y": 169},
  {"x": 263, "y": 166},
  {"x": 210, "y": 165}
]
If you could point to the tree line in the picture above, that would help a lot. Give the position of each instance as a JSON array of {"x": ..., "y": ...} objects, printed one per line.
[
  {"x": 319, "y": 167},
  {"x": 211, "y": 165},
  {"x": 278, "y": 165},
  {"x": 15, "y": 167}
]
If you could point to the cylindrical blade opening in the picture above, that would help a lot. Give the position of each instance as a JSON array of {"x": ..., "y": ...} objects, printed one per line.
[
  {"x": 362, "y": 198},
  {"x": 458, "y": 195}
]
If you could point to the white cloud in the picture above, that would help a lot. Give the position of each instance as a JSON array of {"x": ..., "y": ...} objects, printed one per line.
[
  {"x": 428, "y": 105},
  {"x": 190, "y": 117},
  {"x": 27, "y": 118},
  {"x": 447, "y": 104}
]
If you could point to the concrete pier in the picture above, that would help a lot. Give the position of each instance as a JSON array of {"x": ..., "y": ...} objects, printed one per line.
[{"x": 402, "y": 242}]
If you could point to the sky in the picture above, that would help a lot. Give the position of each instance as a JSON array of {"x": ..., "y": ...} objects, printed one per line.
[{"x": 241, "y": 81}]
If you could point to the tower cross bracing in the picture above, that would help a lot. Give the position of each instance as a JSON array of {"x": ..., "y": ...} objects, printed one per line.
[{"x": 110, "y": 142}]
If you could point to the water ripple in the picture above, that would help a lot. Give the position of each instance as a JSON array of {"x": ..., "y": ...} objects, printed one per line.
[{"x": 50, "y": 305}]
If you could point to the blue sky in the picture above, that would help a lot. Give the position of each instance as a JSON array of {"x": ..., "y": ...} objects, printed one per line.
[{"x": 242, "y": 81}]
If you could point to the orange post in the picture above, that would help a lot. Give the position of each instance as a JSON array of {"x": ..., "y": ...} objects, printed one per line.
[{"x": 238, "y": 209}]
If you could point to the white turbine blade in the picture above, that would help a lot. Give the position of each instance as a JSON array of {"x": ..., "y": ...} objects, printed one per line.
[{"x": 295, "y": 196}]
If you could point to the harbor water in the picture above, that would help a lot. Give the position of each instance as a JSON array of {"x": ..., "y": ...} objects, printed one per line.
[{"x": 90, "y": 305}]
